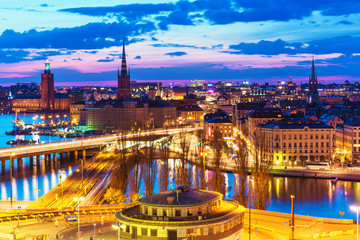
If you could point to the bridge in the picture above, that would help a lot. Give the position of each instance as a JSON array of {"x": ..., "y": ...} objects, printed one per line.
[{"x": 73, "y": 146}]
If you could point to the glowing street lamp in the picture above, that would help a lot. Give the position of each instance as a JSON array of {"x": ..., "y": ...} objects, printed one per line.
[
  {"x": 356, "y": 209},
  {"x": 122, "y": 226},
  {"x": 78, "y": 218}
]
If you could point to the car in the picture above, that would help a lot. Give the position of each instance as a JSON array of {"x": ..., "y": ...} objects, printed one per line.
[{"x": 71, "y": 219}]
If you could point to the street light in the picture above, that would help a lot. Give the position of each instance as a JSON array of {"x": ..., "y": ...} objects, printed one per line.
[
  {"x": 122, "y": 226},
  {"x": 250, "y": 192},
  {"x": 11, "y": 177},
  {"x": 356, "y": 209},
  {"x": 78, "y": 219},
  {"x": 292, "y": 217}
]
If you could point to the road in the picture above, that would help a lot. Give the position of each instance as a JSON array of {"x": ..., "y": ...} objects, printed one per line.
[{"x": 89, "y": 142}]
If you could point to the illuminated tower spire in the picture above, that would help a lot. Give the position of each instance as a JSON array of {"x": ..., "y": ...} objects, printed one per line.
[
  {"x": 313, "y": 83},
  {"x": 47, "y": 67},
  {"x": 123, "y": 61},
  {"x": 47, "y": 88},
  {"x": 123, "y": 78}
]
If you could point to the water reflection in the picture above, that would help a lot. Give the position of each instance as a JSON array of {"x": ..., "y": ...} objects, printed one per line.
[{"x": 313, "y": 197}]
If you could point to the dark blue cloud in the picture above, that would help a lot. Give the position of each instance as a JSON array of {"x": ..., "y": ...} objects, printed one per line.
[
  {"x": 345, "y": 22},
  {"x": 343, "y": 44},
  {"x": 89, "y": 36},
  {"x": 176, "y": 54},
  {"x": 107, "y": 59},
  {"x": 223, "y": 11},
  {"x": 175, "y": 45},
  {"x": 13, "y": 56},
  {"x": 137, "y": 57}
]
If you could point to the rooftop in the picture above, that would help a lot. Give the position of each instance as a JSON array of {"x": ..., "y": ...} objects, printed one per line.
[{"x": 189, "y": 197}]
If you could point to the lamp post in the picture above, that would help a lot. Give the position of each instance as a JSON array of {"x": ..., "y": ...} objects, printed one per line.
[
  {"x": 37, "y": 196},
  {"x": 292, "y": 217},
  {"x": 250, "y": 193},
  {"x": 11, "y": 177},
  {"x": 122, "y": 226},
  {"x": 78, "y": 219},
  {"x": 356, "y": 209}
]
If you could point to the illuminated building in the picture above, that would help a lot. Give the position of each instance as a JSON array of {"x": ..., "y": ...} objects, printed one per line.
[
  {"x": 218, "y": 120},
  {"x": 47, "y": 88},
  {"x": 47, "y": 102},
  {"x": 313, "y": 84},
  {"x": 348, "y": 142},
  {"x": 190, "y": 114},
  {"x": 297, "y": 141},
  {"x": 123, "y": 90},
  {"x": 183, "y": 214}
]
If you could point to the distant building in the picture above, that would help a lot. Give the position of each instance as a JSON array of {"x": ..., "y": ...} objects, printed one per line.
[
  {"x": 190, "y": 114},
  {"x": 112, "y": 115},
  {"x": 297, "y": 141},
  {"x": 218, "y": 121},
  {"x": 313, "y": 84},
  {"x": 348, "y": 142},
  {"x": 47, "y": 102},
  {"x": 182, "y": 213},
  {"x": 123, "y": 91}
]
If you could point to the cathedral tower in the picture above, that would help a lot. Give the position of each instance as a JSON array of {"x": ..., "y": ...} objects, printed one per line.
[
  {"x": 313, "y": 83},
  {"x": 47, "y": 88},
  {"x": 123, "y": 91}
]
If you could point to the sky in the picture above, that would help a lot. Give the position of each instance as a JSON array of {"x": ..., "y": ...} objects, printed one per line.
[{"x": 254, "y": 40}]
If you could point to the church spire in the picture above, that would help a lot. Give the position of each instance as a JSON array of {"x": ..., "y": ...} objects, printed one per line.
[{"x": 123, "y": 61}]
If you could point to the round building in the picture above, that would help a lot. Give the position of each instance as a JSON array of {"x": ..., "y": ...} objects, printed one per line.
[{"x": 182, "y": 213}]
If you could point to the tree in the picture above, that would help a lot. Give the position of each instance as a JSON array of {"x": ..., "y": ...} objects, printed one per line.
[
  {"x": 218, "y": 179},
  {"x": 261, "y": 173},
  {"x": 241, "y": 172},
  {"x": 120, "y": 172},
  {"x": 200, "y": 179},
  {"x": 149, "y": 169},
  {"x": 135, "y": 175},
  {"x": 164, "y": 166},
  {"x": 182, "y": 171}
]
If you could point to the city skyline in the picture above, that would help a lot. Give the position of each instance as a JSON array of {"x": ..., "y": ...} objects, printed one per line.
[{"x": 180, "y": 40}]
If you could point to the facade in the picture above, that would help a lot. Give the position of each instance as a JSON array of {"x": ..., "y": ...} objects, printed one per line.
[
  {"x": 297, "y": 141},
  {"x": 182, "y": 213},
  {"x": 124, "y": 115},
  {"x": 218, "y": 121},
  {"x": 190, "y": 114},
  {"x": 123, "y": 90},
  {"x": 75, "y": 110},
  {"x": 348, "y": 142}
]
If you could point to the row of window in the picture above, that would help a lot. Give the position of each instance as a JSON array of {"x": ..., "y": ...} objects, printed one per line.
[
  {"x": 306, "y": 144},
  {"x": 195, "y": 231},
  {"x": 316, "y": 136},
  {"x": 305, "y": 151}
]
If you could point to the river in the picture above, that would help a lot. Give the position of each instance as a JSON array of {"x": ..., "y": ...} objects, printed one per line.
[{"x": 313, "y": 197}]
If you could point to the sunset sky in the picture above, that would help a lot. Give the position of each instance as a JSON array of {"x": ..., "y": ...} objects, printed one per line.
[{"x": 255, "y": 40}]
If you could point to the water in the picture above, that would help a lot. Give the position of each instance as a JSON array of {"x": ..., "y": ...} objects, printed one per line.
[
  {"x": 313, "y": 197},
  {"x": 6, "y": 125},
  {"x": 26, "y": 182}
]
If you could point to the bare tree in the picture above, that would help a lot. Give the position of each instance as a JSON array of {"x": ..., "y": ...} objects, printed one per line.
[
  {"x": 241, "y": 172},
  {"x": 135, "y": 175},
  {"x": 120, "y": 171},
  {"x": 149, "y": 169},
  {"x": 183, "y": 174},
  {"x": 218, "y": 179},
  {"x": 164, "y": 166},
  {"x": 261, "y": 173},
  {"x": 200, "y": 179}
]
